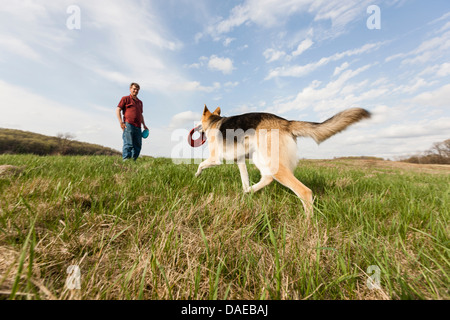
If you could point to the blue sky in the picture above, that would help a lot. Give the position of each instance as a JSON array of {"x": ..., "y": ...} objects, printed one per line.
[{"x": 301, "y": 59}]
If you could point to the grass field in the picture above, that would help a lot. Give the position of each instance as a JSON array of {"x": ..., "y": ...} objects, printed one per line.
[{"x": 151, "y": 230}]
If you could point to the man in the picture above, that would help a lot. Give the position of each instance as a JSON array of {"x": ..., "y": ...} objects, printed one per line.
[{"x": 133, "y": 119}]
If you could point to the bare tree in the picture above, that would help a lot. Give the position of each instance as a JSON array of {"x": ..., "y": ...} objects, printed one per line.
[{"x": 65, "y": 141}]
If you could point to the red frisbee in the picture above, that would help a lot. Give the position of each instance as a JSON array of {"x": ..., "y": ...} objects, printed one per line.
[{"x": 197, "y": 142}]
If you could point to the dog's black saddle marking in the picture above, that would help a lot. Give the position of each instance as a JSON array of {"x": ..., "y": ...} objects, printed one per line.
[{"x": 246, "y": 121}]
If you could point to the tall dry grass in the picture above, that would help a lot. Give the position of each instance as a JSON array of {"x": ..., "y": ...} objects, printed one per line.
[{"x": 151, "y": 230}]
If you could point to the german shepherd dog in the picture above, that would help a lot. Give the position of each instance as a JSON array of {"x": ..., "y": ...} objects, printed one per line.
[{"x": 271, "y": 143}]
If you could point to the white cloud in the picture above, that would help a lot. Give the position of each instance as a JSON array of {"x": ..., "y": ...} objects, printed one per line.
[
  {"x": 445, "y": 16},
  {"x": 395, "y": 56},
  {"x": 272, "y": 55},
  {"x": 136, "y": 44},
  {"x": 437, "y": 98},
  {"x": 268, "y": 13},
  {"x": 198, "y": 36},
  {"x": 113, "y": 76},
  {"x": 214, "y": 63},
  {"x": 195, "y": 86},
  {"x": 444, "y": 70},
  {"x": 195, "y": 65},
  {"x": 414, "y": 85},
  {"x": 181, "y": 120},
  {"x": 34, "y": 29},
  {"x": 135, "y": 26},
  {"x": 339, "y": 69},
  {"x": 302, "y": 47},
  {"x": 18, "y": 47},
  {"x": 429, "y": 50},
  {"x": 245, "y": 108},
  {"x": 445, "y": 27},
  {"x": 231, "y": 84},
  {"x": 132, "y": 48},
  {"x": 335, "y": 95},
  {"x": 238, "y": 16},
  {"x": 299, "y": 71},
  {"x": 381, "y": 114},
  {"x": 439, "y": 70},
  {"x": 227, "y": 41},
  {"x": 224, "y": 65},
  {"x": 417, "y": 129}
]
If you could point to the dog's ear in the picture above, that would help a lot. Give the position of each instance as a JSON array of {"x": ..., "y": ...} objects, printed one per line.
[
  {"x": 206, "y": 110},
  {"x": 217, "y": 111}
]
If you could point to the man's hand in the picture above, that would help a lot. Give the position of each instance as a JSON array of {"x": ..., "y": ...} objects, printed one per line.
[{"x": 123, "y": 125}]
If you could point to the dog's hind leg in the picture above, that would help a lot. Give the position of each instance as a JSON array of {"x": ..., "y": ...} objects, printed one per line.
[
  {"x": 265, "y": 170},
  {"x": 244, "y": 176},
  {"x": 287, "y": 178},
  {"x": 265, "y": 180}
]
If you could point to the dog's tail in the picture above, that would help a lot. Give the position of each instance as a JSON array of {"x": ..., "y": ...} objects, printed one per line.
[{"x": 322, "y": 131}]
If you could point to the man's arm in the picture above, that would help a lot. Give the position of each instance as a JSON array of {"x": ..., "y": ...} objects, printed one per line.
[
  {"x": 142, "y": 118},
  {"x": 119, "y": 117},
  {"x": 145, "y": 127}
]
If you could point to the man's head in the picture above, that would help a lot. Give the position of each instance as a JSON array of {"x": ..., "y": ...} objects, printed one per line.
[{"x": 134, "y": 89}]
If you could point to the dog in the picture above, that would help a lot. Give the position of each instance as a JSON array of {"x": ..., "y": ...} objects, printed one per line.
[{"x": 270, "y": 141}]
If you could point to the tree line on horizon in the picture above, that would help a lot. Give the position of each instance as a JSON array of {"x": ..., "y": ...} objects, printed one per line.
[{"x": 439, "y": 153}]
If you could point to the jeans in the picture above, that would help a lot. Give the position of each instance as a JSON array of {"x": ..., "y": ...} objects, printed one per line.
[{"x": 132, "y": 142}]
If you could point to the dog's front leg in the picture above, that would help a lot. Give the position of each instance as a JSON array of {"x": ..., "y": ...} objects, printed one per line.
[{"x": 244, "y": 176}]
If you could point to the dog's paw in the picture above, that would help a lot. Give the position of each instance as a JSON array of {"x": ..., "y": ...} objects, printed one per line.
[
  {"x": 247, "y": 189},
  {"x": 197, "y": 173}
]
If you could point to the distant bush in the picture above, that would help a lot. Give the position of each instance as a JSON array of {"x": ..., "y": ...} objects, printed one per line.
[
  {"x": 438, "y": 154},
  {"x": 20, "y": 142}
]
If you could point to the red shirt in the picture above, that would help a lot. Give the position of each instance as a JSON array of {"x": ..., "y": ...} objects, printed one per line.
[{"x": 132, "y": 110}]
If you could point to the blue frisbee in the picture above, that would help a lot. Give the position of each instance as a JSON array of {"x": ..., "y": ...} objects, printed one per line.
[{"x": 145, "y": 134}]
